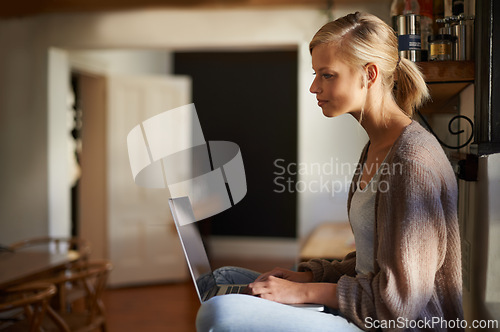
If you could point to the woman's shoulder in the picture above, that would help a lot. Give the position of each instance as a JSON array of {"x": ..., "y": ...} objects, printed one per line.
[
  {"x": 417, "y": 144},
  {"x": 417, "y": 147}
]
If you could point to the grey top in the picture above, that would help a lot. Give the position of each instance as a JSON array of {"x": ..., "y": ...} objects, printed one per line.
[{"x": 362, "y": 218}]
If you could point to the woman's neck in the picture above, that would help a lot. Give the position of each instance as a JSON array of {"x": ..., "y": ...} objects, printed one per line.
[{"x": 383, "y": 122}]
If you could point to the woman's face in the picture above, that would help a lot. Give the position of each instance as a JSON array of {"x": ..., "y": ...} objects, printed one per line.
[{"x": 338, "y": 87}]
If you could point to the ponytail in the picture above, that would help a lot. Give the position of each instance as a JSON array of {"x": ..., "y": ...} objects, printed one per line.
[{"x": 411, "y": 90}]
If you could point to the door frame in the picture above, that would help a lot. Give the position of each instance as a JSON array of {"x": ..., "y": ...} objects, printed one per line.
[{"x": 60, "y": 65}]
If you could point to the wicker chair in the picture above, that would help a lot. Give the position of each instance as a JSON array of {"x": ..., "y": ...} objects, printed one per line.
[
  {"x": 80, "y": 306},
  {"x": 23, "y": 307}
]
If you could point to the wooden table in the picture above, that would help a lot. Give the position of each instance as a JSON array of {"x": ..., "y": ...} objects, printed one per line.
[
  {"x": 332, "y": 240},
  {"x": 27, "y": 265}
]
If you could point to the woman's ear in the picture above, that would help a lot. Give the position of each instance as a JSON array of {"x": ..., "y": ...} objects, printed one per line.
[{"x": 371, "y": 73}]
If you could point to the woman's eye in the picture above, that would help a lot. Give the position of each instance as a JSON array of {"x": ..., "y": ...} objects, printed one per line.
[{"x": 325, "y": 76}]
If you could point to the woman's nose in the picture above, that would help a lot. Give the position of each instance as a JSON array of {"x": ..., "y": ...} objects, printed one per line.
[{"x": 314, "y": 87}]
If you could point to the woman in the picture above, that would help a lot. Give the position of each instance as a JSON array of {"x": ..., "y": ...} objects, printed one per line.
[{"x": 406, "y": 272}]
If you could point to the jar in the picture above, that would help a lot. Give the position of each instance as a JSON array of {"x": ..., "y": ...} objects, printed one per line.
[{"x": 440, "y": 47}]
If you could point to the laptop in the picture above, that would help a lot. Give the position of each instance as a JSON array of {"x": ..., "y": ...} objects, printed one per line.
[{"x": 197, "y": 259}]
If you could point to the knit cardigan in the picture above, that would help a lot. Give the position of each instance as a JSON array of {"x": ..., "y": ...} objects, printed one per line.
[{"x": 417, "y": 280}]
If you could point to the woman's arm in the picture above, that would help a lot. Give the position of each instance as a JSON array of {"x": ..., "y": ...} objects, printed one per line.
[
  {"x": 327, "y": 271},
  {"x": 279, "y": 272}
]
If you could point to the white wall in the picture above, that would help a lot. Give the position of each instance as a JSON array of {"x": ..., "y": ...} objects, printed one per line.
[
  {"x": 23, "y": 84},
  {"x": 58, "y": 144},
  {"x": 23, "y": 132}
]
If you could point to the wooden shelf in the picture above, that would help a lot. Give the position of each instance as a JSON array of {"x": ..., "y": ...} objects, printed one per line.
[
  {"x": 447, "y": 71},
  {"x": 443, "y": 97},
  {"x": 446, "y": 79}
]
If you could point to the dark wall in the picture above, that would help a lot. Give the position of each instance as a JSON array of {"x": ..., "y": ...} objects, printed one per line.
[{"x": 250, "y": 98}]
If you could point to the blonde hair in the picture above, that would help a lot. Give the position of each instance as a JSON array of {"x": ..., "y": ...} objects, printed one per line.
[{"x": 362, "y": 38}]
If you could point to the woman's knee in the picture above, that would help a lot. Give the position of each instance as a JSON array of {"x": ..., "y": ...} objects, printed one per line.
[{"x": 221, "y": 313}]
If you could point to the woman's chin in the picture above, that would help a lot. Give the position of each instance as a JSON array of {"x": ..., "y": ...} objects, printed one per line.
[{"x": 328, "y": 113}]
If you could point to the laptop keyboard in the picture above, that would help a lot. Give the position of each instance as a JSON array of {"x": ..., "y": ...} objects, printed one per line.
[{"x": 236, "y": 290}]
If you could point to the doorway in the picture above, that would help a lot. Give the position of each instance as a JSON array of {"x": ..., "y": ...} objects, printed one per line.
[{"x": 89, "y": 208}]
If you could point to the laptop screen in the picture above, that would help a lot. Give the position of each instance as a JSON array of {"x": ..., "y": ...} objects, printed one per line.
[{"x": 192, "y": 244}]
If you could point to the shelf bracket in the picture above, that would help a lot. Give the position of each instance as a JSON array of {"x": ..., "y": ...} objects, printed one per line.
[{"x": 451, "y": 130}]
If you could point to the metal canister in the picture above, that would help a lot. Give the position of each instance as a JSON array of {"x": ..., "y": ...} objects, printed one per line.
[
  {"x": 464, "y": 42},
  {"x": 409, "y": 38}
]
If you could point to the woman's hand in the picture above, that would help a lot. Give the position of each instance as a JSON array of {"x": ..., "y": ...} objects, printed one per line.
[
  {"x": 279, "y": 290},
  {"x": 287, "y": 275},
  {"x": 289, "y": 292}
]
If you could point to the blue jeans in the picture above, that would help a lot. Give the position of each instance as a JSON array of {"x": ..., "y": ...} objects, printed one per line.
[{"x": 242, "y": 313}]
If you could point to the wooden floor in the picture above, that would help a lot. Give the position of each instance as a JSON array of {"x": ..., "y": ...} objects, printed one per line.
[{"x": 167, "y": 307}]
